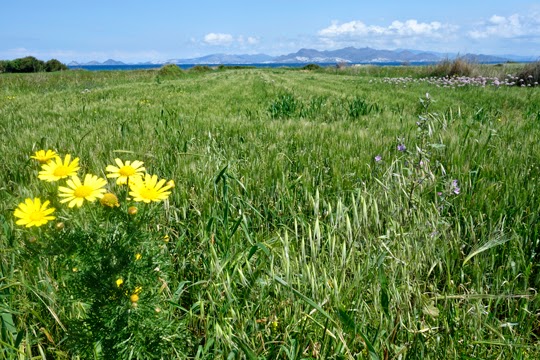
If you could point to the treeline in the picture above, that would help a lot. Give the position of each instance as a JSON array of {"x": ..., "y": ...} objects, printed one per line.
[{"x": 30, "y": 64}]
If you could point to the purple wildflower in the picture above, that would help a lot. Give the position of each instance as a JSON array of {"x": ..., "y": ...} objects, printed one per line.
[
  {"x": 401, "y": 147},
  {"x": 378, "y": 158},
  {"x": 455, "y": 188}
]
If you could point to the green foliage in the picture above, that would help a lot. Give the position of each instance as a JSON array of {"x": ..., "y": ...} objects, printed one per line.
[
  {"x": 111, "y": 278},
  {"x": 55, "y": 65},
  {"x": 530, "y": 75},
  {"x": 450, "y": 68},
  {"x": 200, "y": 69},
  {"x": 170, "y": 71},
  {"x": 311, "y": 67},
  {"x": 30, "y": 64},
  {"x": 359, "y": 107},
  {"x": 283, "y": 107},
  {"x": 27, "y": 64},
  {"x": 410, "y": 231}
]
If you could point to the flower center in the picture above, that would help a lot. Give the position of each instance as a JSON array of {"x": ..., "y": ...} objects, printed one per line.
[
  {"x": 82, "y": 191},
  {"x": 149, "y": 193},
  {"x": 61, "y": 170},
  {"x": 126, "y": 170},
  {"x": 36, "y": 216}
]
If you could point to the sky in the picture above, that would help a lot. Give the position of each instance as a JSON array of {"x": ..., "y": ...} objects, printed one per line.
[{"x": 159, "y": 30}]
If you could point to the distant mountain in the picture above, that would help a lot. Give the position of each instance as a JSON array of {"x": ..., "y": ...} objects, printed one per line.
[
  {"x": 345, "y": 55},
  {"x": 90, "y": 63},
  {"x": 355, "y": 55},
  {"x": 481, "y": 58},
  {"x": 112, "y": 62}
]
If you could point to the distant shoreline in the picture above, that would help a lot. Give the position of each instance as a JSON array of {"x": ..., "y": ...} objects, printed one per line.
[{"x": 256, "y": 65}]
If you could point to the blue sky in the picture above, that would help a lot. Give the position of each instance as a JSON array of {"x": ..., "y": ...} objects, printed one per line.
[{"x": 158, "y": 30}]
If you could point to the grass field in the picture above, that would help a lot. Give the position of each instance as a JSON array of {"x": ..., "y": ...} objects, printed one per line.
[{"x": 362, "y": 213}]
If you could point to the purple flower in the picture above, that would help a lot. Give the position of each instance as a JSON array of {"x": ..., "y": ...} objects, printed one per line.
[
  {"x": 455, "y": 188},
  {"x": 378, "y": 158},
  {"x": 401, "y": 147}
]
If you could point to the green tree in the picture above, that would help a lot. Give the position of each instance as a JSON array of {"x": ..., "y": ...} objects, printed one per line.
[
  {"x": 55, "y": 65},
  {"x": 27, "y": 64},
  {"x": 3, "y": 66}
]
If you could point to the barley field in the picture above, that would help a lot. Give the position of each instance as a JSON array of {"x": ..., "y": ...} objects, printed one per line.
[{"x": 358, "y": 213}]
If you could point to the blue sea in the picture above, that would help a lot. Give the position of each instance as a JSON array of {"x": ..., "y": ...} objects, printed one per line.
[{"x": 266, "y": 65}]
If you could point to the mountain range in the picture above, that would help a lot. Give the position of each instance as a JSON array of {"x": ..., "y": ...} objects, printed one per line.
[{"x": 345, "y": 55}]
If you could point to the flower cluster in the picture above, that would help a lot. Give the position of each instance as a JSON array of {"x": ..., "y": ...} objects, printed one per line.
[
  {"x": 143, "y": 187},
  {"x": 461, "y": 81}
]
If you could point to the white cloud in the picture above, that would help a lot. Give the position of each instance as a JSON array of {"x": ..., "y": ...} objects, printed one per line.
[
  {"x": 252, "y": 40},
  {"x": 218, "y": 39},
  {"x": 397, "y": 29},
  {"x": 507, "y": 27}
]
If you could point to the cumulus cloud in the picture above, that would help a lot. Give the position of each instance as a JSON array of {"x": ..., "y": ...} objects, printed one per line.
[
  {"x": 218, "y": 39},
  {"x": 512, "y": 26},
  {"x": 397, "y": 29}
]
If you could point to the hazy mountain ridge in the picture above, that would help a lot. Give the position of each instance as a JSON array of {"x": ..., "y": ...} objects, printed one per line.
[{"x": 345, "y": 55}]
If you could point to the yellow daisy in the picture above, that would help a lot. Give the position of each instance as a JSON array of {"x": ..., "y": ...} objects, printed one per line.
[
  {"x": 33, "y": 213},
  {"x": 44, "y": 156},
  {"x": 91, "y": 189},
  {"x": 125, "y": 170},
  {"x": 57, "y": 169},
  {"x": 149, "y": 189}
]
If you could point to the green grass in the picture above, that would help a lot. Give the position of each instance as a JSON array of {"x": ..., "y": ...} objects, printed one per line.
[{"x": 287, "y": 239}]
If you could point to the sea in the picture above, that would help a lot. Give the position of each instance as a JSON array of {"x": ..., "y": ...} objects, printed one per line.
[{"x": 258, "y": 65}]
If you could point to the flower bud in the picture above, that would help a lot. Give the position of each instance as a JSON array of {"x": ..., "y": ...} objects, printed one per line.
[
  {"x": 132, "y": 210},
  {"x": 110, "y": 200}
]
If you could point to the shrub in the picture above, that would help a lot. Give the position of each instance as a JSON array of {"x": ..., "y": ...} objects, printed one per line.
[
  {"x": 200, "y": 68},
  {"x": 55, "y": 65},
  {"x": 170, "y": 71},
  {"x": 30, "y": 64},
  {"x": 530, "y": 75},
  {"x": 311, "y": 67},
  {"x": 458, "y": 67},
  {"x": 27, "y": 64}
]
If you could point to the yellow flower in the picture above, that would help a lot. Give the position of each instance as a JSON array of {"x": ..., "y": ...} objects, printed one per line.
[
  {"x": 134, "y": 298},
  {"x": 91, "y": 189},
  {"x": 33, "y": 213},
  {"x": 44, "y": 156},
  {"x": 149, "y": 189},
  {"x": 110, "y": 200},
  {"x": 57, "y": 169},
  {"x": 119, "y": 282},
  {"x": 138, "y": 290},
  {"x": 138, "y": 256},
  {"x": 132, "y": 210},
  {"x": 125, "y": 171}
]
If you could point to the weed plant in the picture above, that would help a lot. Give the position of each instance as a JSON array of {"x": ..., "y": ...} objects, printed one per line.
[{"x": 316, "y": 215}]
